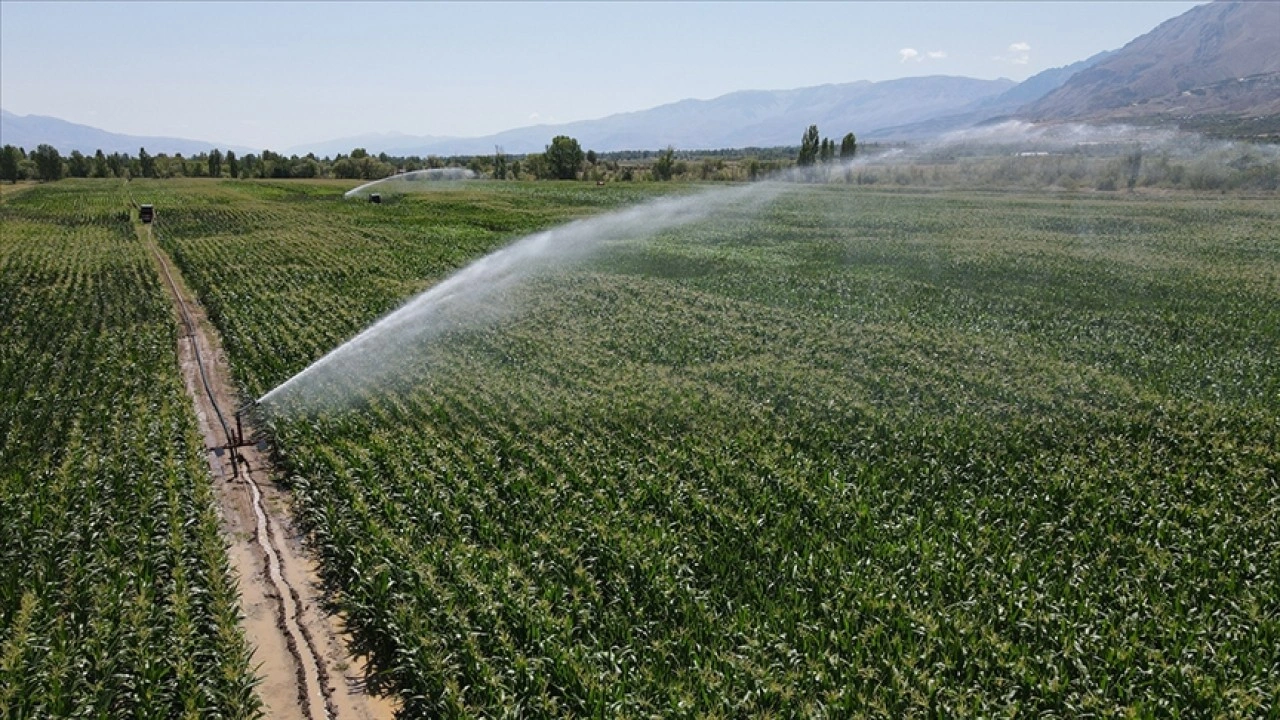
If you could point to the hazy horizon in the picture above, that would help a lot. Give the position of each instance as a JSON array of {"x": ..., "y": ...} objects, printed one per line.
[{"x": 280, "y": 75}]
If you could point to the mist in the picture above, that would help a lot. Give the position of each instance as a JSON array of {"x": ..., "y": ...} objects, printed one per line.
[
  {"x": 410, "y": 181},
  {"x": 1011, "y": 154},
  {"x": 481, "y": 293}
]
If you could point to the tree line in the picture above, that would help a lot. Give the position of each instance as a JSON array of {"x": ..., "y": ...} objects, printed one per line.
[
  {"x": 816, "y": 149},
  {"x": 562, "y": 159}
]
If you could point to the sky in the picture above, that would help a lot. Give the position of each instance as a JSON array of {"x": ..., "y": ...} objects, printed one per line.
[{"x": 276, "y": 75}]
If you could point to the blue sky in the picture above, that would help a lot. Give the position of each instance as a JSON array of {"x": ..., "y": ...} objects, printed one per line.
[{"x": 275, "y": 75}]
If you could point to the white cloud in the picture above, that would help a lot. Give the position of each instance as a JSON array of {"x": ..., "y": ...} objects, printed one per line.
[
  {"x": 1019, "y": 53},
  {"x": 913, "y": 55}
]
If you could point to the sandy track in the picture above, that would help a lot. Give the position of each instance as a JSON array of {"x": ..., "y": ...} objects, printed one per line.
[{"x": 305, "y": 670}]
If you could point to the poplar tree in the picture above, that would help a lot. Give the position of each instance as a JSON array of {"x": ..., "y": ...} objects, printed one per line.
[
  {"x": 809, "y": 146},
  {"x": 828, "y": 151},
  {"x": 848, "y": 147},
  {"x": 101, "y": 168},
  {"x": 9, "y": 163}
]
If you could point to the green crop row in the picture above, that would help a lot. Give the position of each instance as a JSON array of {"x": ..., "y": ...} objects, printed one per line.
[
  {"x": 859, "y": 454},
  {"x": 116, "y": 598}
]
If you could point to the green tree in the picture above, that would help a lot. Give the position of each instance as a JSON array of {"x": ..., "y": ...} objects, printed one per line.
[
  {"x": 101, "y": 168},
  {"x": 306, "y": 167},
  {"x": 809, "y": 147},
  {"x": 119, "y": 164},
  {"x": 48, "y": 163},
  {"x": 499, "y": 163},
  {"x": 591, "y": 157},
  {"x": 78, "y": 165},
  {"x": 1133, "y": 163},
  {"x": 848, "y": 147},
  {"x": 215, "y": 163},
  {"x": 536, "y": 165},
  {"x": 665, "y": 165},
  {"x": 146, "y": 163},
  {"x": 9, "y": 159},
  {"x": 827, "y": 151},
  {"x": 344, "y": 169},
  {"x": 233, "y": 165},
  {"x": 564, "y": 157}
]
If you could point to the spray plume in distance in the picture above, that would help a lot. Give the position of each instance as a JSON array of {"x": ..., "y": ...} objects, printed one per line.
[
  {"x": 408, "y": 181},
  {"x": 479, "y": 294}
]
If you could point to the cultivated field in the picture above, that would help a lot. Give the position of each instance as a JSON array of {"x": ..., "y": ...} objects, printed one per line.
[
  {"x": 865, "y": 452},
  {"x": 115, "y": 598},
  {"x": 883, "y": 453}
]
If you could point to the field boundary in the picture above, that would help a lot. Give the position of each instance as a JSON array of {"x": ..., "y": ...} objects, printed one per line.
[{"x": 296, "y": 650}]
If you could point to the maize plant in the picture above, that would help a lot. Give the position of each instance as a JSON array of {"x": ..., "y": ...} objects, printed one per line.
[
  {"x": 867, "y": 453},
  {"x": 116, "y": 598}
]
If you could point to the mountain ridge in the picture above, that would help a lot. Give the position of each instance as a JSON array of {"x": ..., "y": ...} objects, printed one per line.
[
  {"x": 1211, "y": 67},
  {"x": 1176, "y": 66},
  {"x": 29, "y": 131},
  {"x": 743, "y": 118}
]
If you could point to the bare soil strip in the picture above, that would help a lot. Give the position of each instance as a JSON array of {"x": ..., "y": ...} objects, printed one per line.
[{"x": 305, "y": 670}]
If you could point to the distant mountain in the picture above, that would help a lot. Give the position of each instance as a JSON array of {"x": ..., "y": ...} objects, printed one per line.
[
  {"x": 751, "y": 118},
  {"x": 990, "y": 108},
  {"x": 373, "y": 142},
  {"x": 1218, "y": 58},
  {"x": 28, "y": 131}
]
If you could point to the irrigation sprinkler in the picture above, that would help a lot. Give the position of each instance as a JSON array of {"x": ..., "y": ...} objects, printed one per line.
[{"x": 236, "y": 441}]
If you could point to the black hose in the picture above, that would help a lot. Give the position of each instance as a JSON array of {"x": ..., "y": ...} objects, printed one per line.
[{"x": 191, "y": 329}]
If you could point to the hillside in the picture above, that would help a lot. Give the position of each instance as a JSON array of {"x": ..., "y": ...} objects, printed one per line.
[
  {"x": 759, "y": 118},
  {"x": 1216, "y": 59},
  {"x": 980, "y": 111},
  {"x": 28, "y": 131}
]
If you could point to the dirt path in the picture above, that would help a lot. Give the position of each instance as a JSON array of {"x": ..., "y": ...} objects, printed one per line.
[{"x": 300, "y": 653}]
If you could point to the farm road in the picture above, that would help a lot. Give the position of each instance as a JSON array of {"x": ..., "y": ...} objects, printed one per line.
[{"x": 305, "y": 670}]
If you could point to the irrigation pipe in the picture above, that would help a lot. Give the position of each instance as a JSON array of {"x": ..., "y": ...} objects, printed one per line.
[{"x": 191, "y": 331}]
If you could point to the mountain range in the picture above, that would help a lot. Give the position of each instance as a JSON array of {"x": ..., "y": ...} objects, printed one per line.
[
  {"x": 1216, "y": 61},
  {"x": 750, "y": 118},
  {"x": 1222, "y": 58},
  {"x": 28, "y": 131}
]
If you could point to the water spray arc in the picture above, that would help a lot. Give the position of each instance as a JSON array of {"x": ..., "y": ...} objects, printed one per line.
[
  {"x": 473, "y": 295},
  {"x": 407, "y": 180}
]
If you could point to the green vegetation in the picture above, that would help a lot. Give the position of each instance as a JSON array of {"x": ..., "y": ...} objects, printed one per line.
[
  {"x": 815, "y": 149},
  {"x": 115, "y": 594},
  {"x": 809, "y": 147},
  {"x": 848, "y": 146},
  {"x": 564, "y": 158},
  {"x": 870, "y": 453}
]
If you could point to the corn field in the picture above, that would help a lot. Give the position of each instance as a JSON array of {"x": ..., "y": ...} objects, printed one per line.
[
  {"x": 865, "y": 453},
  {"x": 115, "y": 594}
]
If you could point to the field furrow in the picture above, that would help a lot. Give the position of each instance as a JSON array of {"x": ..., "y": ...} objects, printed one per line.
[{"x": 863, "y": 453}]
